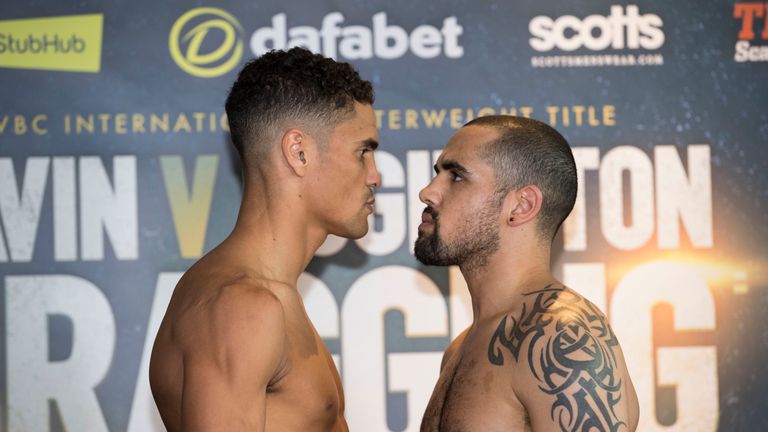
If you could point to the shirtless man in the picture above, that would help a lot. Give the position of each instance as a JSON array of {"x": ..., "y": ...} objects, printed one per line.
[
  {"x": 537, "y": 356},
  {"x": 236, "y": 350}
]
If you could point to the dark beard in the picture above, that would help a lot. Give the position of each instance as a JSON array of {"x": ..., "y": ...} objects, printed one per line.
[
  {"x": 471, "y": 250},
  {"x": 429, "y": 250}
]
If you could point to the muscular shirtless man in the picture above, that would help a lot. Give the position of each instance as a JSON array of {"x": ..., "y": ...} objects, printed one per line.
[
  {"x": 236, "y": 350},
  {"x": 538, "y": 356}
]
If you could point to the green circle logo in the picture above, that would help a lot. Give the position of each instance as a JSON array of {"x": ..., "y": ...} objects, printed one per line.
[{"x": 203, "y": 21}]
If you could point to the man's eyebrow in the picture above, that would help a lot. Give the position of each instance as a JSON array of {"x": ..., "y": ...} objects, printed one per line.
[
  {"x": 451, "y": 165},
  {"x": 370, "y": 143}
]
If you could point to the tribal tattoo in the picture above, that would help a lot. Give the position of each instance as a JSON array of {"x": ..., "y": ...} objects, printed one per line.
[{"x": 569, "y": 347}]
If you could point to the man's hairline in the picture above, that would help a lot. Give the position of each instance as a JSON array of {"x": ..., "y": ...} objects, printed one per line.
[
  {"x": 501, "y": 191},
  {"x": 316, "y": 129}
]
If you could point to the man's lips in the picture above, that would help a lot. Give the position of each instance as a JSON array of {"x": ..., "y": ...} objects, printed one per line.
[
  {"x": 428, "y": 217},
  {"x": 371, "y": 204}
]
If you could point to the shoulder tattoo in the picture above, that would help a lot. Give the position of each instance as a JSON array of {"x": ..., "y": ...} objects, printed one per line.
[{"x": 569, "y": 348}]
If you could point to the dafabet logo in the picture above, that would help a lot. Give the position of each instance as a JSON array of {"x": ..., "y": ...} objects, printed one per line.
[
  {"x": 66, "y": 43},
  {"x": 192, "y": 36},
  {"x": 208, "y": 42}
]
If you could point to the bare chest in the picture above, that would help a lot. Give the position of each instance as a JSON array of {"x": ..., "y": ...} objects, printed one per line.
[
  {"x": 473, "y": 395},
  {"x": 306, "y": 394}
]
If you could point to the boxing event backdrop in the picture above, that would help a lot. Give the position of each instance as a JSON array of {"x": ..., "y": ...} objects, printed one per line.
[{"x": 116, "y": 174}]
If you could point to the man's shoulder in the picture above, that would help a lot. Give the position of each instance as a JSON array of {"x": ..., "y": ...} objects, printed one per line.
[
  {"x": 218, "y": 284},
  {"x": 453, "y": 348},
  {"x": 554, "y": 313},
  {"x": 216, "y": 309},
  {"x": 558, "y": 300},
  {"x": 563, "y": 357},
  {"x": 242, "y": 323},
  {"x": 252, "y": 300}
]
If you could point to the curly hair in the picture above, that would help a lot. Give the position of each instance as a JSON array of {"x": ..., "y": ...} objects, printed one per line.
[
  {"x": 293, "y": 85},
  {"x": 527, "y": 152}
]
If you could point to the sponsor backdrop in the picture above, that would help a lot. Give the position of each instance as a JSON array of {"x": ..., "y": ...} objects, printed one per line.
[{"x": 116, "y": 174}]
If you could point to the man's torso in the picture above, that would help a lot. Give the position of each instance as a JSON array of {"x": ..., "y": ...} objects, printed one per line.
[
  {"x": 553, "y": 347},
  {"x": 471, "y": 394},
  {"x": 305, "y": 393}
]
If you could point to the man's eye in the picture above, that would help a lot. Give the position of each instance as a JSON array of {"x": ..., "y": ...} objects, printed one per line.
[
  {"x": 456, "y": 177},
  {"x": 363, "y": 152}
]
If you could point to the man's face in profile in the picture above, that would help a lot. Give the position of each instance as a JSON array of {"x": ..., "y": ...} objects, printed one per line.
[
  {"x": 461, "y": 220},
  {"x": 343, "y": 185}
]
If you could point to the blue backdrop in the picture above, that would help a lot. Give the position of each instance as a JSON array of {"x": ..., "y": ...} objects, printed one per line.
[{"x": 116, "y": 174}]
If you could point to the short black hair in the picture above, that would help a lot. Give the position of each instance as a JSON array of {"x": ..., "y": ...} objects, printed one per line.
[
  {"x": 290, "y": 85},
  {"x": 527, "y": 152}
]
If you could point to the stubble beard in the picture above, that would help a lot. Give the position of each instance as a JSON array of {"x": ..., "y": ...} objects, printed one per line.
[{"x": 478, "y": 239}]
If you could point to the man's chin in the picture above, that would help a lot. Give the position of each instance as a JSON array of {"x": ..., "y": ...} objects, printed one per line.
[
  {"x": 429, "y": 259},
  {"x": 353, "y": 232},
  {"x": 424, "y": 252}
]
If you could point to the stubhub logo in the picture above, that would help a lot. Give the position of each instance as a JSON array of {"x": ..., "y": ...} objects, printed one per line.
[
  {"x": 622, "y": 29},
  {"x": 356, "y": 42}
]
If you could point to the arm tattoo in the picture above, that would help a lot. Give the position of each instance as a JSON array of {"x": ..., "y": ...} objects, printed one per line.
[{"x": 570, "y": 353}]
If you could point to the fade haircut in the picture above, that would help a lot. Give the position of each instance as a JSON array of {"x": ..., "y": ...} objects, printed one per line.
[
  {"x": 527, "y": 152},
  {"x": 294, "y": 86}
]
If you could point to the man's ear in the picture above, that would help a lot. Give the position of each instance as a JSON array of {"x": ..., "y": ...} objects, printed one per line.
[
  {"x": 522, "y": 205},
  {"x": 295, "y": 146}
]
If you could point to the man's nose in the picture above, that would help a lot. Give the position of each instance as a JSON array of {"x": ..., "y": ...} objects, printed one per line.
[
  {"x": 374, "y": 176},
  {"x": 430, "y": 195}
]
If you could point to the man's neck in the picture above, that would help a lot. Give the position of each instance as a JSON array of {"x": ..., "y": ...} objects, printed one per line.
[
  {"x": 275, "y": 236},
  {"x": 496, "y": 287}
]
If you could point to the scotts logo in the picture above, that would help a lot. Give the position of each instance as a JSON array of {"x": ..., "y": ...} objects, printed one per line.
[
  {"x": 206, "y": 42},
  {"x": 622, "y": 29},
  {"x": 754, "y": 27}
]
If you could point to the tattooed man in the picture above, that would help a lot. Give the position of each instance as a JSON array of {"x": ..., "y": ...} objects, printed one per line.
[{"x": 538, "y": 356}]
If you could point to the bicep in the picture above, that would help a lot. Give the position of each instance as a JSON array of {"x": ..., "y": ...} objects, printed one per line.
[
  {"x": 214, "y": 400},
  {"x": 579, "y": 407},
  {"x": 226, "y": 376},
  {"x": 568, "y": 371},
  {"x": 572, "y": 379}
]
